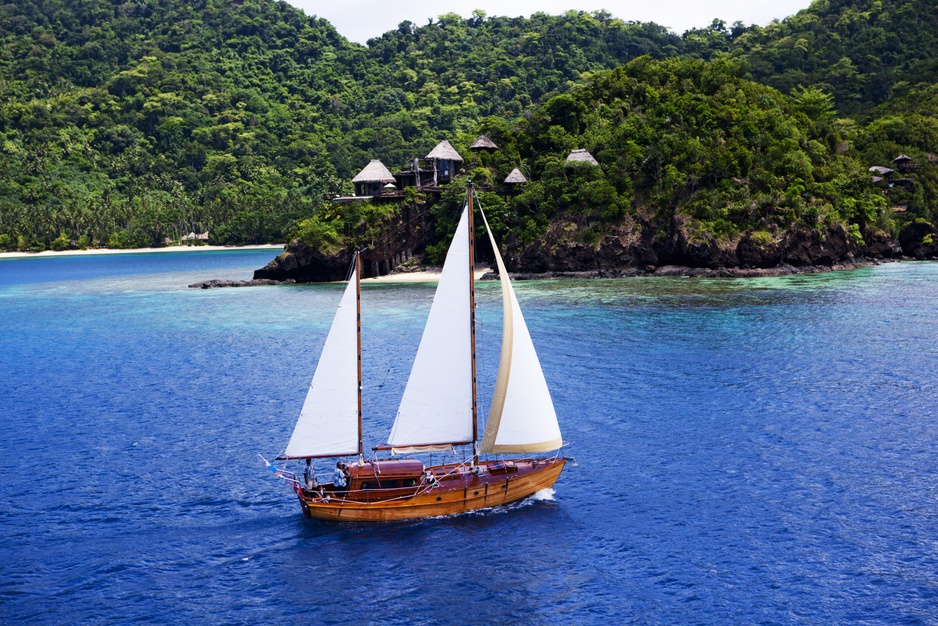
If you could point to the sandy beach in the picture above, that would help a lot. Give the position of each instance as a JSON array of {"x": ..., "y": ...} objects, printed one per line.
[
  {"x": 423, "y": 276},
  {"x": 94, "y": 251}
]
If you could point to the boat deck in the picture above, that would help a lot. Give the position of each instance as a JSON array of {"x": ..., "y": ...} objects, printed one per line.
[{"x": 442, "y": 490}]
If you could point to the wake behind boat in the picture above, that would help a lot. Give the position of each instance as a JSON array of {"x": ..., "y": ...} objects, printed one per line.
[{"x": 438, "y": 411}]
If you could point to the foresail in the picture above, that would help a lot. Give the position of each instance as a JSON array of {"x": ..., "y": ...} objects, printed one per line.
[
  {"x": 522, "y": 418},
  {"x": 328, "y": 423},
  {"x": 436, "y": 409}
]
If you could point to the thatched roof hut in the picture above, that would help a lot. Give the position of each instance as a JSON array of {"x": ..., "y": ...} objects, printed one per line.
[
  {"x": 371, "y": 180},
  {"x": 515, "y": 178},
  {"x": 444, "y": 158},
  {"x": 882, "y": 171},
  {"x": 374, "y": 172},
  {"x": 581, "y": 156},
  {"x": 483, "y": 143},
  {"x": 444, "y": 152}
]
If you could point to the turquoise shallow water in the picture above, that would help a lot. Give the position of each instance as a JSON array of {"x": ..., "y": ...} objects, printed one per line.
[{"x": 750, "y": 451}]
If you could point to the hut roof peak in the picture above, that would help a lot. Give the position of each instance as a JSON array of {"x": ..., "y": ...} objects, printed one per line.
[
  {"x": 444, "y": 151},
  {"x": 516, "y": 177},
  {"x": 374, "y": 172},
  {"x": 581, "y": 156},
  {"x": 482, "y": 142}
]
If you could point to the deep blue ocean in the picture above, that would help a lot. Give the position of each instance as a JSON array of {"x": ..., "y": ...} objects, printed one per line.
[{"x": 756, "y": 451}]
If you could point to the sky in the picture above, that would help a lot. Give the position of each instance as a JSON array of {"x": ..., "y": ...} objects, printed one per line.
[{"x": 360, "y": 20}]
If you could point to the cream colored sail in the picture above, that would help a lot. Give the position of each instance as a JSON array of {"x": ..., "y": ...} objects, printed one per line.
[
  {"x": 328, "y": 423},
  {"x": 436, "y": 409},
  {"x": 521, "y": 418}
]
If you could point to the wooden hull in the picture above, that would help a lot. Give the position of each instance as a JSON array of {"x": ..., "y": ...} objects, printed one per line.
[{"x": 457, "y": 491}]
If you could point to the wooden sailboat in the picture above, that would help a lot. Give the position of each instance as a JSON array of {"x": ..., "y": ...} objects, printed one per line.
[{"x": 438, "y": 411}]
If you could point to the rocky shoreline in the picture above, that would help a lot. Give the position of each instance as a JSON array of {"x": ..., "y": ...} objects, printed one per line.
[
  {"x": 631, "y": 251},
  {"x": 684, "y": 271},
  {"x": 673, "y": 271},
  {"x": 257, "y": 282}
]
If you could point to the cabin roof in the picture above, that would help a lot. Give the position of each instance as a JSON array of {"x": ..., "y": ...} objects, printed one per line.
[
  {"x": 902, "y": 157},
  {"x": 883, "y": 171},
  {"x": 581, "y": 156},
  {"x": 374, "y": 172},
  {"x": 483, "y": 143},
  {"x": 516, "y": 177},
  {"x": 444, "y": 151},
  {"x": 388, "y": 468}
]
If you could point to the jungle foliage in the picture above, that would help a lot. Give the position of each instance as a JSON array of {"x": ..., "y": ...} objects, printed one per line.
[{"x": 124, "y": 123}]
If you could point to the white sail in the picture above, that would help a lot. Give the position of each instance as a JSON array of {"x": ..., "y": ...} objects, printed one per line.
[
  {"x": 436, "y": 409},
  {"x": 522, "y": 418},
  {"x": 328, "y": 423}
]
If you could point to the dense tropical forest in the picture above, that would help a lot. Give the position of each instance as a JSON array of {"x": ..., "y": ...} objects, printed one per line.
[{"x": 129, "y": 124}]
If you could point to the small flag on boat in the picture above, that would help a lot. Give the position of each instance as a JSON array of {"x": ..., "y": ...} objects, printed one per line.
[{"x": 271, "y": 466}]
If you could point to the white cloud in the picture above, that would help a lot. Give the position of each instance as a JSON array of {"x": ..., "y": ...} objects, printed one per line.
[{"x": 359, "y": 20}]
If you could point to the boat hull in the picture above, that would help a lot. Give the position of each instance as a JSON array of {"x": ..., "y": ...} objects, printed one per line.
[{"x": 457, "y": 491}]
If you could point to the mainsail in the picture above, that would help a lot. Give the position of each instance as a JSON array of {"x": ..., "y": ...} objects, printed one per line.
[
  {"x": 436, "y": 409},
  {"x": 328, "y": 423},
  {"x": 521, "y": 418}
]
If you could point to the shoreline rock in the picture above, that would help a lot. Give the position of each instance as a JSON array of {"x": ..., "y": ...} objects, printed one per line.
[
  {"x": 256, "y": 282},
  {"x": 635, "y": 249},
  {"x": 682, "y": 271}
]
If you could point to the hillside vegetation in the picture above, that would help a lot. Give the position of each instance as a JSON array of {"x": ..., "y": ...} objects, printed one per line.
[{"x": 125, "y": 123}]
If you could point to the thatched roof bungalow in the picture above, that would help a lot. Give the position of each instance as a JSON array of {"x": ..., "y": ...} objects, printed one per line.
[
  {"x": 483, "y": 143},
  {"x": 444, "y": 158},
  {"x": 904, "y": 162},
  {"x": 515, "y": 178},
  {"x": 581, "y": 156},
  {"x": 372, "y": 179}
]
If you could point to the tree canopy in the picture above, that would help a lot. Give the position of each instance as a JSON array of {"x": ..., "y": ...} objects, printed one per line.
[{"x": 127, "y": 123}]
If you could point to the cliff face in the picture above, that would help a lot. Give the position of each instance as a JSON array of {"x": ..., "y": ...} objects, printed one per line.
[
  {"x": 301, "y": 263},
  {"x": 642, "y": 249}
]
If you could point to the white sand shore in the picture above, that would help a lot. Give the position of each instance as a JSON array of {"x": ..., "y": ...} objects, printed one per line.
[
  {"x": 424, "y": 276},
  {"x": 53, "y": 253}
]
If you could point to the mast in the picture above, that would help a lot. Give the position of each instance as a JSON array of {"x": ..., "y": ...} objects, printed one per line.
[
  {"x": 472, "y": 329},
  {"x": 358, "y": 333}
]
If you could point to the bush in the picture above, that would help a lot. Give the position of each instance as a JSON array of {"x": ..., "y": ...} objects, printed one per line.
[{"x": 62, "y": 242}]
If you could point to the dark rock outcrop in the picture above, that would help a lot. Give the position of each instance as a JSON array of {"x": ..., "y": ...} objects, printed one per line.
[
  {"x": 879, "y": 245},
  {"x": 302, "y": 264},
  {"x": 919, "y": 240},
  {"x": 756, "y": 252},
  {"x": 219, "y": 283}
]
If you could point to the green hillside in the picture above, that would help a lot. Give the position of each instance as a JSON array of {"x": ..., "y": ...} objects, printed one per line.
[{"x": 127, "y": 123}]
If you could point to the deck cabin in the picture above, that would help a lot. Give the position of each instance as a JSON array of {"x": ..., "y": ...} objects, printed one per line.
[{"x": 379, "y": 480}]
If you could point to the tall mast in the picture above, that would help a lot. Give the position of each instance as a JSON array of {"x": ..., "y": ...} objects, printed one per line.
[
  {"x": 472, "y": 329},
  {"x": 358, "y": 333}
]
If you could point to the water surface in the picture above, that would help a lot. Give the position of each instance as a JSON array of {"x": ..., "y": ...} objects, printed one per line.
[{"x": 750, "y": 451}]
